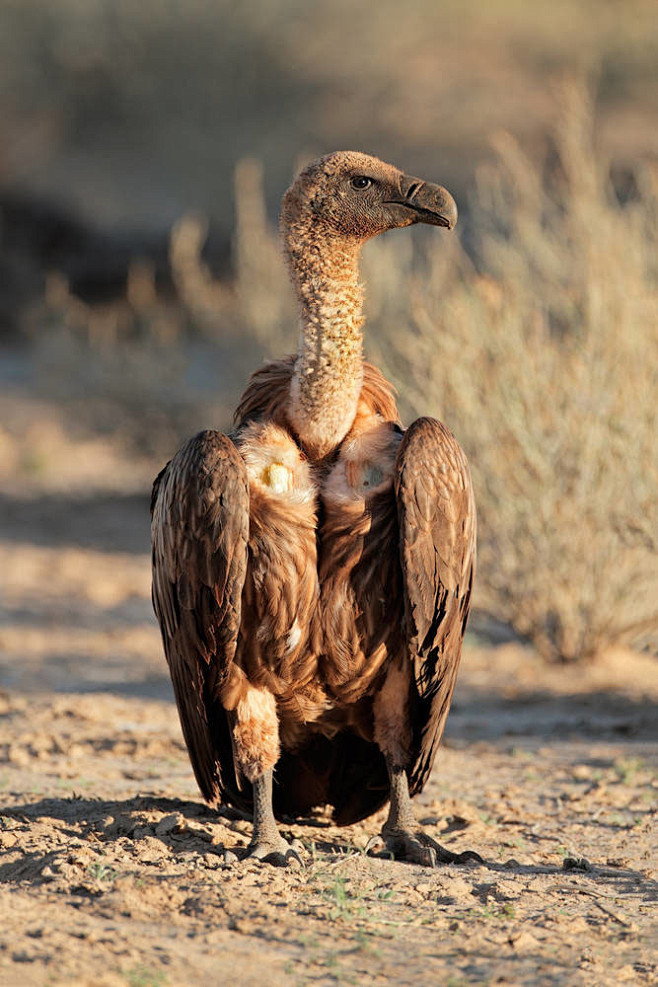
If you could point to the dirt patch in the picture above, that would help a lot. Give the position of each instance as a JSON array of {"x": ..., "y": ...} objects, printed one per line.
[{"x": 112, "y": 870}]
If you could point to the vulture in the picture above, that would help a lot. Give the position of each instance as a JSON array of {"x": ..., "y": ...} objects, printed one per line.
[{"x": 312, "y": 570}]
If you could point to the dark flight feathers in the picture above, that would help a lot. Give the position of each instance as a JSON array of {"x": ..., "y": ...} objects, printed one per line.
[
  {"x": 436, "y": 514},
  {"x": 200, "y": 527}
]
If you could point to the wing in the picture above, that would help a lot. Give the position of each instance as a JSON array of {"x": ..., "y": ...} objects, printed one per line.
[
  {"x": 436, "y": 513},
  {"x": 199, "y": 532}
]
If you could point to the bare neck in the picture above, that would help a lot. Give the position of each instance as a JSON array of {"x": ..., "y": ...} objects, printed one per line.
[{"x": 328, "y": 371}]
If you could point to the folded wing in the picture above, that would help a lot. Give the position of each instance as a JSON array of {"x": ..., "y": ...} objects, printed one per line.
[
  {"x": 199, "y": 529},
  {"x": 436, "y": 513}
]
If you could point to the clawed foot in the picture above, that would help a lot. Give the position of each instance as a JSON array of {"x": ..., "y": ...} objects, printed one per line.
[
  {"x": 275, "y": 851},
  {"x": 416, "y": 847}
]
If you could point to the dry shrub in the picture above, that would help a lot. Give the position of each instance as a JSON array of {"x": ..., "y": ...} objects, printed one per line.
[{"x": 544, "y": 361}]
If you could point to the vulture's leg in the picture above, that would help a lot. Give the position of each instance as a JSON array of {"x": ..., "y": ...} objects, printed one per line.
[
  {"x": 267, "y": 842},
  {"x": 401, "y": 835},
  {"x": 256, "y": 748}
]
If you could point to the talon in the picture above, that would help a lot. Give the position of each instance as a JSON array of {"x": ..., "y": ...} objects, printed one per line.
[
  {"x": 279, "y": 854},
  {"x": 466, "y": 855},
  {"x": 374, "y": 842},
  {"x": 274, "y": 859},
  {"x": 294, "y": 860},
  {"x": 419, "y": 848}
]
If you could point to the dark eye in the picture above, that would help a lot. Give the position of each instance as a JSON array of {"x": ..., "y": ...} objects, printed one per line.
[{"x": 361, "y": 182}]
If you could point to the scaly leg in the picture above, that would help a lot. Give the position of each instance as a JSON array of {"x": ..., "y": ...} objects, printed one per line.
[
  {"x": 255, "y": 735},
  {"x": 267, "y": 843},
  {"x": 401, "y": 835}
]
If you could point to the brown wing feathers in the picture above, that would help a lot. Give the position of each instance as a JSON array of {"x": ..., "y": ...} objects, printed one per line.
[
  {"x": 437, "y": 549},
  {"x": 200, "y": 526},
  {"x": 200, "y": 529}
]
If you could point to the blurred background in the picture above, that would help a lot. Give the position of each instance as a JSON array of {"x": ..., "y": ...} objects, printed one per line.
[{"x": 144, "y": 149}]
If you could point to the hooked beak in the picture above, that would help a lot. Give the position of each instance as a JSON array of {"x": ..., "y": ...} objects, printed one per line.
[{"x": 423, "y": 202}]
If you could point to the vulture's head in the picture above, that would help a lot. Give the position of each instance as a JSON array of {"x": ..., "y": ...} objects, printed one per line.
[{"x": 356, "y": 196}]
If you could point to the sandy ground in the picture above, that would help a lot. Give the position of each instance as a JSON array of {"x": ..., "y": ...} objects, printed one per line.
[{"x": 111, "y": 867}]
